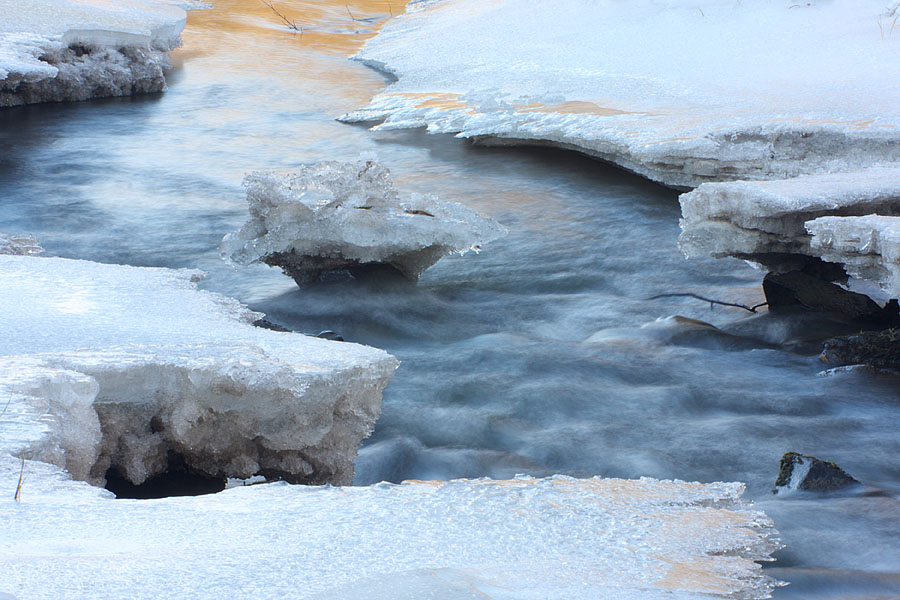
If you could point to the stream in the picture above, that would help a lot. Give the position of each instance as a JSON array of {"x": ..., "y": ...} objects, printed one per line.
[{"x": 496, "y": 376}]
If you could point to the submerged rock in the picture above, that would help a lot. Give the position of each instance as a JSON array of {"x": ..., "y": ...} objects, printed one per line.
[
  {"x": 880, "y": 349},
  {"x": 798, "y": 288},
  {"x": 335, "y": 216},
  {"x": 799, "y": 472}
]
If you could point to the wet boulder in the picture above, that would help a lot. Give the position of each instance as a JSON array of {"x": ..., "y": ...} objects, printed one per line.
[
  {"x": 880, "y": 349},
  {"x": 800, "y": 472}
]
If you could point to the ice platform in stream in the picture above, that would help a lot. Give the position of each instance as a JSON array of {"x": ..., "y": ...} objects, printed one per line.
[
  {"x": 868, "y": 247},
  {"x": 555, "y": 538},
  {"x": 58, "y": 50},
  {"x": 346, "y": 216},
  {"x": 681, "y": 93},
  {"x": 766, "y": 221},
  {"x": 124, "y": 368}
]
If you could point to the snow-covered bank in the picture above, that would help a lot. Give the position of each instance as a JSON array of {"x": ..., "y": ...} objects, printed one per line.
[
  {"x": 556, "y": 538},
  {"x": 124, "y": 368},
  {"x": 335, "y": 216},
  {"x": 680, "y": 93},
  {"x": 780, "y": 223},
  {"x": 60, "y": 50}
]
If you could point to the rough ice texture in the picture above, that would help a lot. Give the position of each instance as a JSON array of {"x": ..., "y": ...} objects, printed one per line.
[
  {"x": 556, "y": 538},
  {"x": 59, "y": 50},
  {"x": 682, "y": 93},
  {"x": 106, "y": 366},
  {"x": 868, "y": 247},
  {"x": 765, "y": 221},
  {"x": 23, "y": 245},
  {"x": 333, "y": 215}
]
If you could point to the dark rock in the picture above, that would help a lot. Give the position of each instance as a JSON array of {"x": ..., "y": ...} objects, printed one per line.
[
  {"x": 330, "y": 335},
  {"x": 879, "y": 349},
  {"x": 809, "y": 473},
  {"x": 266, "y": 324},
  {"x": 800, "y": 289}
]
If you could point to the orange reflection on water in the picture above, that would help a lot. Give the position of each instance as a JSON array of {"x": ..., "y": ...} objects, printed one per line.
[{"x": 334, "y": 26}]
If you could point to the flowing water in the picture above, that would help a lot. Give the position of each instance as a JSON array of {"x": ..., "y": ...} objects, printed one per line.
[{"x": 497, "y": 376}]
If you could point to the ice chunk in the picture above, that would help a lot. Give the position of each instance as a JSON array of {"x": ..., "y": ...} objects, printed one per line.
[
  {"x": 107, "y": 366},
  {"x": 868, "y": 247},
  {"x": 554, "y": 538},
  {"x": 55, "y": 50},
  {"x": 333, "y": 215},
  {"x": 764, "y": 221},
  {"x": 19, "y": 244},
  {"x": 682, "y": 93}
]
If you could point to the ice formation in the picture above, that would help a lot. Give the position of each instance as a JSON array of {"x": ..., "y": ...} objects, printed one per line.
[
  {"x": 555, "y": 538},
  {"x": 56, "y": 50},
  {"x": 682, "y": 93},
  {"x": 19, "y": 244},
  {"x": 332, "y": 216},
  {"x": 868, "y": 247},
  {"x": 771, "y": 222},
  {"x": 124, "y": 368}
]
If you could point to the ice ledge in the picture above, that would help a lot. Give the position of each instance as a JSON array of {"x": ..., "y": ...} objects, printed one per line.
[
  {"x": 61, "y": 50},
  {"x": 554, "y": 538},
  {"x": 664, "y": 91},
  {"x": 106, "y": 366}
]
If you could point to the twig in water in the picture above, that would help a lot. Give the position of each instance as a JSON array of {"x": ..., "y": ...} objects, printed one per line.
[
  {"x": 3, "y": 412},
  {"x": 291, "y": 24},
  {"x": 710, "y": 300},
  {"x": 21, "y": 474}
]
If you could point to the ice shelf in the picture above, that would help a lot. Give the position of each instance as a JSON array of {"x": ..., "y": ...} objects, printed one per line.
[
  {"x": 771, "y": 222},
  {"x": 331, "y": 216},
  {"x": 113, "y": 367},
  {"x": 554, "y": 538},
  {"x": 682, "y": 93},
  {"x": 59, "y": 50}
]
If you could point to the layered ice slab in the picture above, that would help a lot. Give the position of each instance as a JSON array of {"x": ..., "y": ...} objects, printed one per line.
[
  {"x": 107, "y": 368},
  {"x": 868, "y": 247},
  {"x": 346, "y": 216},
  {"x": 59, "y": 50},
  {"x": 680, "y": 92},
  {"x": 771, "y": 222},
  {"x": 556, "y": 538}
]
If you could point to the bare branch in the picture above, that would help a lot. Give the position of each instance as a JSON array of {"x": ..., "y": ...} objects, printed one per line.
[
  {"x": 289, "y": 23},
  {"x": 710, "y": 300},
  {"x": 21, "y": 475}
]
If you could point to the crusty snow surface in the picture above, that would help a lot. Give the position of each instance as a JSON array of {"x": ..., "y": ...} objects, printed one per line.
[
  {"x": 679, "y": 92},
  {"x": 555, "y": 538},
  {"x": 56, "y": 50},
  {"x": 334, "y": 215},
  {"x": 113, "y": 366}
]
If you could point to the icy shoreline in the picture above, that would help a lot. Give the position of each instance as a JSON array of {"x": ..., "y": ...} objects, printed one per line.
[
  {"x": 62, "y": 50},
  {"x": 108, "y": 367},
  {"x": 555, "y": 538},
  {"x": 682, "y": 95}
]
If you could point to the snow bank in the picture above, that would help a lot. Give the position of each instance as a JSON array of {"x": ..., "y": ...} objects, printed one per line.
[
  {"x": 770, "y": 222},
  {"x": 518, "y": 539},
  {"x": 868, "y": 247},
  {"x": 682, "y": 93},
  {"x": 57, "y": 50},
  {"x": 332, "y": 216},
  {"x": 107, "y": 366}
]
